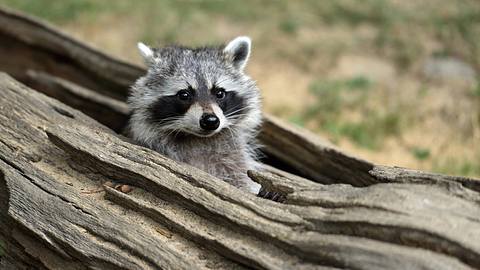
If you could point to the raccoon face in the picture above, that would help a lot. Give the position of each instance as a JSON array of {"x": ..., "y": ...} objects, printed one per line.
[
  {"x": 195, "y": 91},
  {"x": 203, "y": 111}
]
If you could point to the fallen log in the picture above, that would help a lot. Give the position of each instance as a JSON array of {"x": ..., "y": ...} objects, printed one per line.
[
  {"x": 32, "y": 45},
  {"x": 54, "y": 214},
  {"x": 47, "y": 189}
]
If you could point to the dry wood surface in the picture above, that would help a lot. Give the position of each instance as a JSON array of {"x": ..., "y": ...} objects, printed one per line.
[{"x": 56, "y": 152}]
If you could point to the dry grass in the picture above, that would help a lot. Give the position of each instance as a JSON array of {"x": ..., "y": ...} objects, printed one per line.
[{"x": 351, "y": 71}]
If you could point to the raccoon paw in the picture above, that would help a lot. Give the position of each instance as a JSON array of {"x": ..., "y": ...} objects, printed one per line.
[
  {"x": 119, "y": 186},
  {"x": 272, "y": 195}
]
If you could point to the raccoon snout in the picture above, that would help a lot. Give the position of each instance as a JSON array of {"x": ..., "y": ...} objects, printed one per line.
[{"x": 209, "y": 121}]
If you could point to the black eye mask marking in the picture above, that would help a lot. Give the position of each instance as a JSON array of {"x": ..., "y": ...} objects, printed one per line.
[
  {"x": 166, "y": 109},
  {"x": 232, "y": 104}
]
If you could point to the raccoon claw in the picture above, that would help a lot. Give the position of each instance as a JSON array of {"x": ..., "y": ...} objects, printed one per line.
[
  {"x": 120, "y": 187},
  {"x": 273, "y": 196}
]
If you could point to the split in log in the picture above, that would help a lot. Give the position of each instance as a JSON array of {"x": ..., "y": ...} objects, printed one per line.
[
  {"x": 32, "y": 45},
  {"x": 55, "y": 215},
  {"x": 179, "y": 207}
]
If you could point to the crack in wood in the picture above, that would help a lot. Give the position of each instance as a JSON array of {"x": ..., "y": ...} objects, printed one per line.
[{"x": 394, "y": 218}]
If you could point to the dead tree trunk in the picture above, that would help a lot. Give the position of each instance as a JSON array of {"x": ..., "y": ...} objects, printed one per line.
[{"x": 55, "y": 153}]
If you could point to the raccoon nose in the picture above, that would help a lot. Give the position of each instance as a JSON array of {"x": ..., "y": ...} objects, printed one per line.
[{"x": 209, "y": 121}]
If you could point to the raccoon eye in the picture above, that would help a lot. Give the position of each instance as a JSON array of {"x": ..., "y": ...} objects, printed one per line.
[
  {"x": 220, "y": 94},
  {"x": 184, "y": 95}
]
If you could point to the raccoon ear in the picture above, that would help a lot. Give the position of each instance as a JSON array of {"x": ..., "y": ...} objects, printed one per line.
[
  {"x": 146, "y": 52},
  {"x": 239, "y": 50}
]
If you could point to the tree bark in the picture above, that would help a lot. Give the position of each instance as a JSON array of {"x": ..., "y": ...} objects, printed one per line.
[{"x": 55, "y": 153}]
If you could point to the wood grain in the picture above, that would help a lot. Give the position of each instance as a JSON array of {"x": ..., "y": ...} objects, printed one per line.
[{"x": 55, "y": 152}]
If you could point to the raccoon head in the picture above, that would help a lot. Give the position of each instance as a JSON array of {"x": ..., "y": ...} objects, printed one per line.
[{"x": 197, "y": 91}]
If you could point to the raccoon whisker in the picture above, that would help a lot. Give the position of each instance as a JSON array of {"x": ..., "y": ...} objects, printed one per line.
[
  {"x": 237, "y": 106},
  {"x": 238, "y": 116},
  {"x": 243, "y": 107},
  {"x": 233, "y": 127},
  {"x": 169, "y": 129},
  {"x": 169, "y": 119},
  {"x": 176, "y": 132},
  {"x": 173, "y": 124},
  {"x": 160, "y": 117},
  {"x": 173, "y": 133},
  {"x": 170, "y": 126},
  {"x": 239, "y": 110}
]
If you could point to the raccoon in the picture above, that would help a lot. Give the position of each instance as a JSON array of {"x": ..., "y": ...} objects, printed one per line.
[{"x": 197, "y": 105}]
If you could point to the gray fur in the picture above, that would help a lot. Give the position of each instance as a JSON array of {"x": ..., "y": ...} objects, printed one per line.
[{"x": 229, "y": 151}]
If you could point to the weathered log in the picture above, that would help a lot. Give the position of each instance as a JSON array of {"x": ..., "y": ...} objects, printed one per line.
[
  {"x": 53, "y": 159},
  {"x": 28, "y": 44},
  {"x": 180, "y": 211},
  {"x": 108, "y": 111},
  {"x": 49, "y": 201},
  {"x": 31, "y": 44},
  {"x": 114, "y": 114}
]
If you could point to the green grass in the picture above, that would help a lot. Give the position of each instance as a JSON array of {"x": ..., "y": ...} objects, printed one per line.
[
  {"x": 357, "y": 83},
  {"x": 289, "y": 26},
  {"x": 421, "y": 153},
  {"x": 476, "y": 90},
  {"x": 368, "y": 133},
  {"x": 456, "y": 26},
  {"x": 456, "y": 166},
  {"x": 58, "y": 11},
  {"x": 459, "y": 31},
  {"x": 335, "y": 97},
  {"x": 297, "y": 120},
  {"x": 330, "y": 96},
  {"x": 398, "y": 29},
  {"x": 398, "y": 32}
]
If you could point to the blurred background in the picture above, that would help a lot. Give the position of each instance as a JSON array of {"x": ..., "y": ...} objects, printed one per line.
[{"x": 391, "y": 81}]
